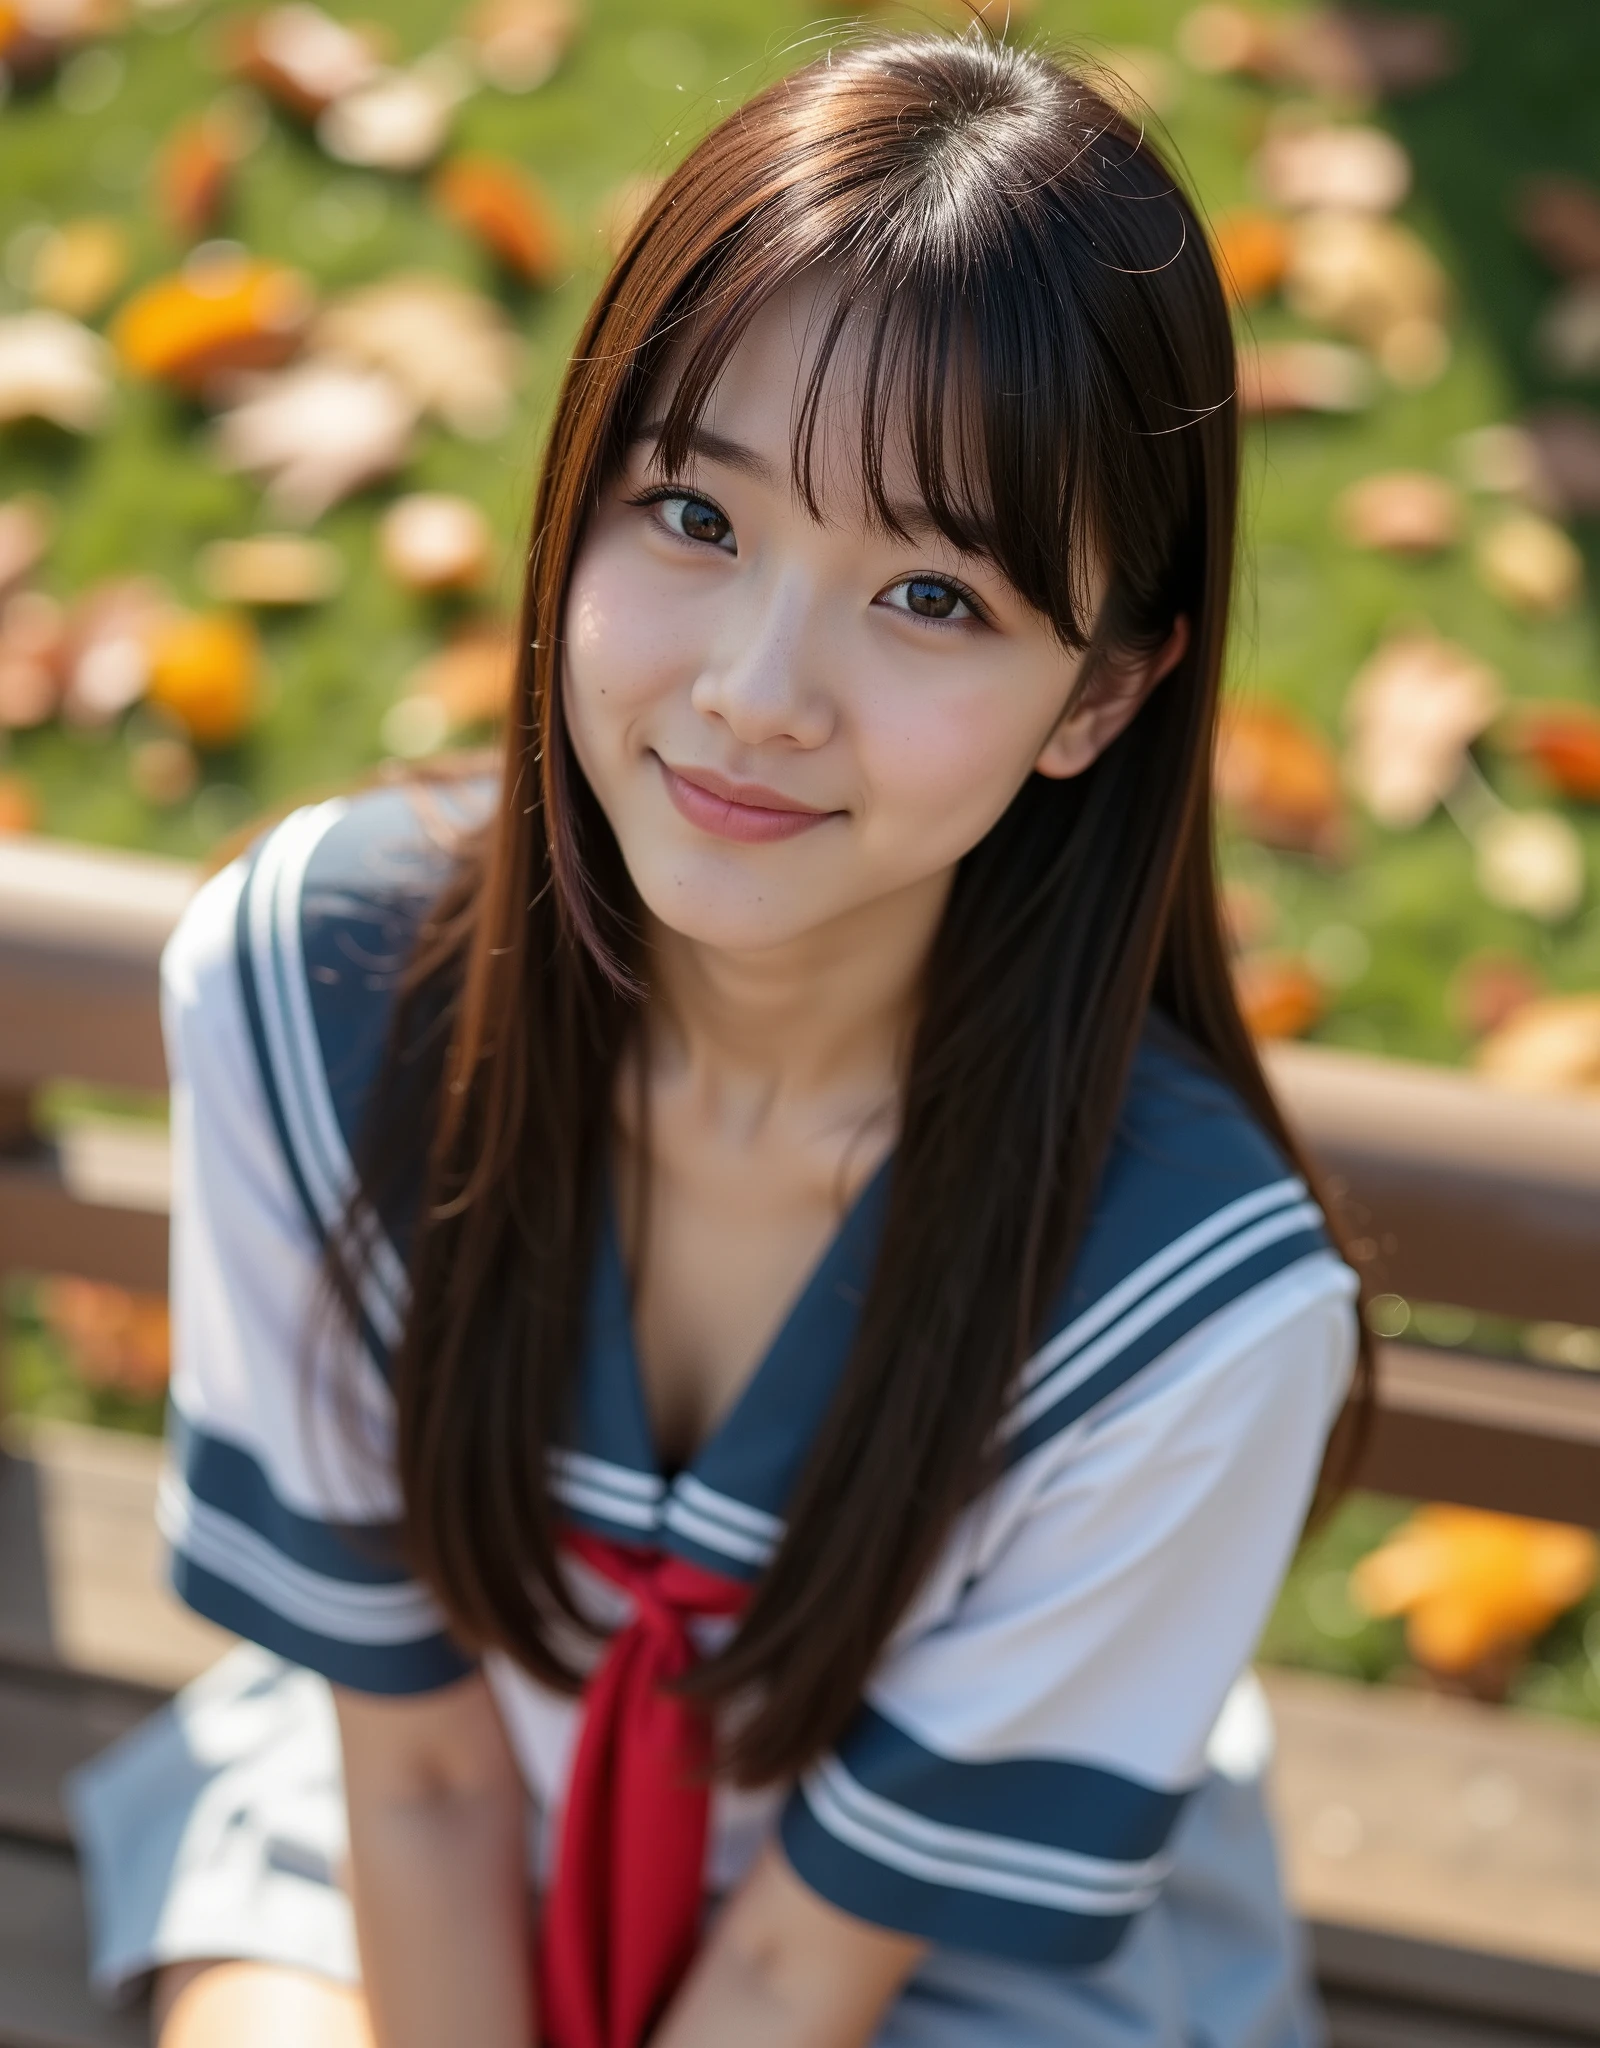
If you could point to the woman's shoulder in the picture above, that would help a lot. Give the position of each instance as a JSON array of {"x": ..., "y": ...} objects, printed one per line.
[
  {"x": 1199, "y": 1222},
  {"x": 300, "y": 947}
]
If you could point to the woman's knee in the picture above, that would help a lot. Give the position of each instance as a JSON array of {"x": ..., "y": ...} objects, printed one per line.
[{"x": 254, "y": 2005}]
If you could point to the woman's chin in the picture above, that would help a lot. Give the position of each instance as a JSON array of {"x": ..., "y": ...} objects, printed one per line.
[{"x": 730, "y": 915}]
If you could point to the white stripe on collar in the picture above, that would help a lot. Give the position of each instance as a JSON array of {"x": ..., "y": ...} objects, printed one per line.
[{"x": 1155, "y": 1305}]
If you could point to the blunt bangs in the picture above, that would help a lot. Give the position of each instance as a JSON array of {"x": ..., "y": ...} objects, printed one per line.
[{"x": 978, "y": 273}]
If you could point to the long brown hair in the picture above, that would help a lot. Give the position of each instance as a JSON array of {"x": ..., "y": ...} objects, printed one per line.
[{"x": 1039, "y": 314}]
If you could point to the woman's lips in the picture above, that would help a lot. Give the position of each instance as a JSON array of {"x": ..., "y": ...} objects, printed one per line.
[{"x": 737, "y": 810}]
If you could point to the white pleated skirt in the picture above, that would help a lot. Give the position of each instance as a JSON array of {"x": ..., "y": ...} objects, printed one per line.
[{"x": 217, "y": 1829}]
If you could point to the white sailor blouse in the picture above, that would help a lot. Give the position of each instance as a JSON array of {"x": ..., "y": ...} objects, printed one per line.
[{"x": 1035, "y": 1724}]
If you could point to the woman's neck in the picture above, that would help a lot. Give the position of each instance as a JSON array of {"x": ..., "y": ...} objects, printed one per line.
[{"x": 815, "y": 1029}]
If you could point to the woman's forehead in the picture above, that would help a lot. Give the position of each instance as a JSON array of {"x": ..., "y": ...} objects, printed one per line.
[{"x": 794, "y": 404}]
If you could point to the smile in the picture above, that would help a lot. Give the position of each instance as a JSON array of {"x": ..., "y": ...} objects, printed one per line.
[{"x": 744, "y": 811}]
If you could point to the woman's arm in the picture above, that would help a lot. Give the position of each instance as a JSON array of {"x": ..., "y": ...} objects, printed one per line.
[
  {"x": 784, "y": 1968},
  {"x": 437, "y": 1808}
]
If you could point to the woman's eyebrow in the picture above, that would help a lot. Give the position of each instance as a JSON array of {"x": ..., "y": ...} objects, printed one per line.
[
  {"x": 713, "y": 447},
  {"x": 913, "y": 519}
]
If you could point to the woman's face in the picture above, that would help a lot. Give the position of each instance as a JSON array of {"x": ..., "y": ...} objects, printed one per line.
[{"x": 789, "y": 721}]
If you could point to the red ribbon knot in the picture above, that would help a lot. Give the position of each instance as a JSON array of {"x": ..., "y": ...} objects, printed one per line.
[{"x": 622, "y": 1917}]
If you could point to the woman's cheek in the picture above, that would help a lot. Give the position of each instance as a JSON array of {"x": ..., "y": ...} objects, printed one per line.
[
  {"x": 616, "y": 652},
  {"x": 946, "y": 770}
]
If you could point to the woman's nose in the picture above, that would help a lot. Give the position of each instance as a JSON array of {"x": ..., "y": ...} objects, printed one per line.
[{"x": 764, "y": 682}]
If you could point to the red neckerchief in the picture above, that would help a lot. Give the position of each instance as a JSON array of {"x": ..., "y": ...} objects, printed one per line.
[{"x": 622, "y": 1917}]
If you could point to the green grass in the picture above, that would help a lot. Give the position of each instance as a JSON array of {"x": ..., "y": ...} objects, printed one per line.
[{"x": 645, "y": 79}]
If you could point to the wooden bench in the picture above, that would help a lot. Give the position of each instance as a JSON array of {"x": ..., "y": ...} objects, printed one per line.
[{"x": 1446, "y": 1857}]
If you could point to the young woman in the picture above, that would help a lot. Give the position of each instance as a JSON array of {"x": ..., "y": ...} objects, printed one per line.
[{"x": 832, "y": 1350}]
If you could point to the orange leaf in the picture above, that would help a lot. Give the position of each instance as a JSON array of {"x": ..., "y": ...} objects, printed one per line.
[
  {"x": 230, "y": 314},
  {"x": 507, "y": 211},
  {"x": 1564, "y": 739},
  {"x": 19, "y": 805},
  {"x": 1471, "y": 1583},
  {"x": 205, "y": 670},
  {"x": 1252, "y": 250},
  {"x": 1279, "y": 779},
  {"x": 1278, "y": 994},
  {"x": 191, "y": 178}
]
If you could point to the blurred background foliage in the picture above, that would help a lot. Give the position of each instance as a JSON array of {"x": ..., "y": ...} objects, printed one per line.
[{"x": 1386, "y": 934}]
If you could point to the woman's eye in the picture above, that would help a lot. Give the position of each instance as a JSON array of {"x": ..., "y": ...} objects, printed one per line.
[
  {"x": 696, "y": 519},
  {"x": 929, "y": 597}
]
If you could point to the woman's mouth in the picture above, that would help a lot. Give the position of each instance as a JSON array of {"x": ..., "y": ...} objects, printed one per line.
[{"x": 746, "y": 811}]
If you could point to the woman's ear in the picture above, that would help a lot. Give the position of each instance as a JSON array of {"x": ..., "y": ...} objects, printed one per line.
[{"x": 1086, "y": 731}]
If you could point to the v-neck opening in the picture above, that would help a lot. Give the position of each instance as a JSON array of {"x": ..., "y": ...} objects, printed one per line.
[{"x": 835, "y": 1254}]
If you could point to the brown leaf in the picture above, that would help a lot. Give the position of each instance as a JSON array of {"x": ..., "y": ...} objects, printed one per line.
[
  {"x": 1366, "y": 278},
  {"x": 1352, "y": 170},
  {"x": 1303, "y": 376},
  {"x": 1530, "y": 565},
  {"x": 164, "y": 771},
  {"x": 33, "y": 659},
  {"x": 1549, "y": 1045},
  {"x": 1401, "y": 511},
  {"x": 108, "y": 647},
  {"x": 433, "y": 540},
  {"x": 1412, "y": 711},
  {"x": 317, "y": 432},
  {"x": 1568, "y": 334},
  {"x": 450, "y": 349},
  {"x": 301, "y": 57},
  {"x": 51, "y": 368},
  {"x": 27, "y": 526},
  {"x": 1532, "y": 862},
  {"x": 398, "y": 120},
  {"x": 1487, "y": 989},
  {"x": 1350, "y": 54},
  {"x": 1559, "y": 217},
  {"x": 1365, "y": 53},
  {"x": 519, "y": 43},
  {"x": 80, "y": 266},
  {"x": 1566, "y": 443},
  {"x": 270, "y": 569}
]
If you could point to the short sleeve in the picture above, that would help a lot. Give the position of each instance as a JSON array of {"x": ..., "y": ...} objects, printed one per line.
[
  {"x": 279, "y": 1530},
  {"x": 1014, "y": 1775}
]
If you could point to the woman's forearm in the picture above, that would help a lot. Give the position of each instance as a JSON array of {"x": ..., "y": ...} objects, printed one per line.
[
  {"x": 786, "y": 1970},
  {"x": 438, "y": 1876},
  {"x": 442, "y": 1922}
]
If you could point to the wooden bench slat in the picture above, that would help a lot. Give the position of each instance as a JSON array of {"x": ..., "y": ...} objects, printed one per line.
[
  {"x": 82, "y": 1584},
  {"x": 51, "y": 1723},
  {"x": 1382, "y": 1988},
  {"x": 1443, "y": 1821},
  {"x": 44, "y": 1996}
]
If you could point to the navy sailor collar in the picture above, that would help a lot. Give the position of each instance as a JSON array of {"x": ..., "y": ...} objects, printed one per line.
[{"x": 724, "y": 1510}]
